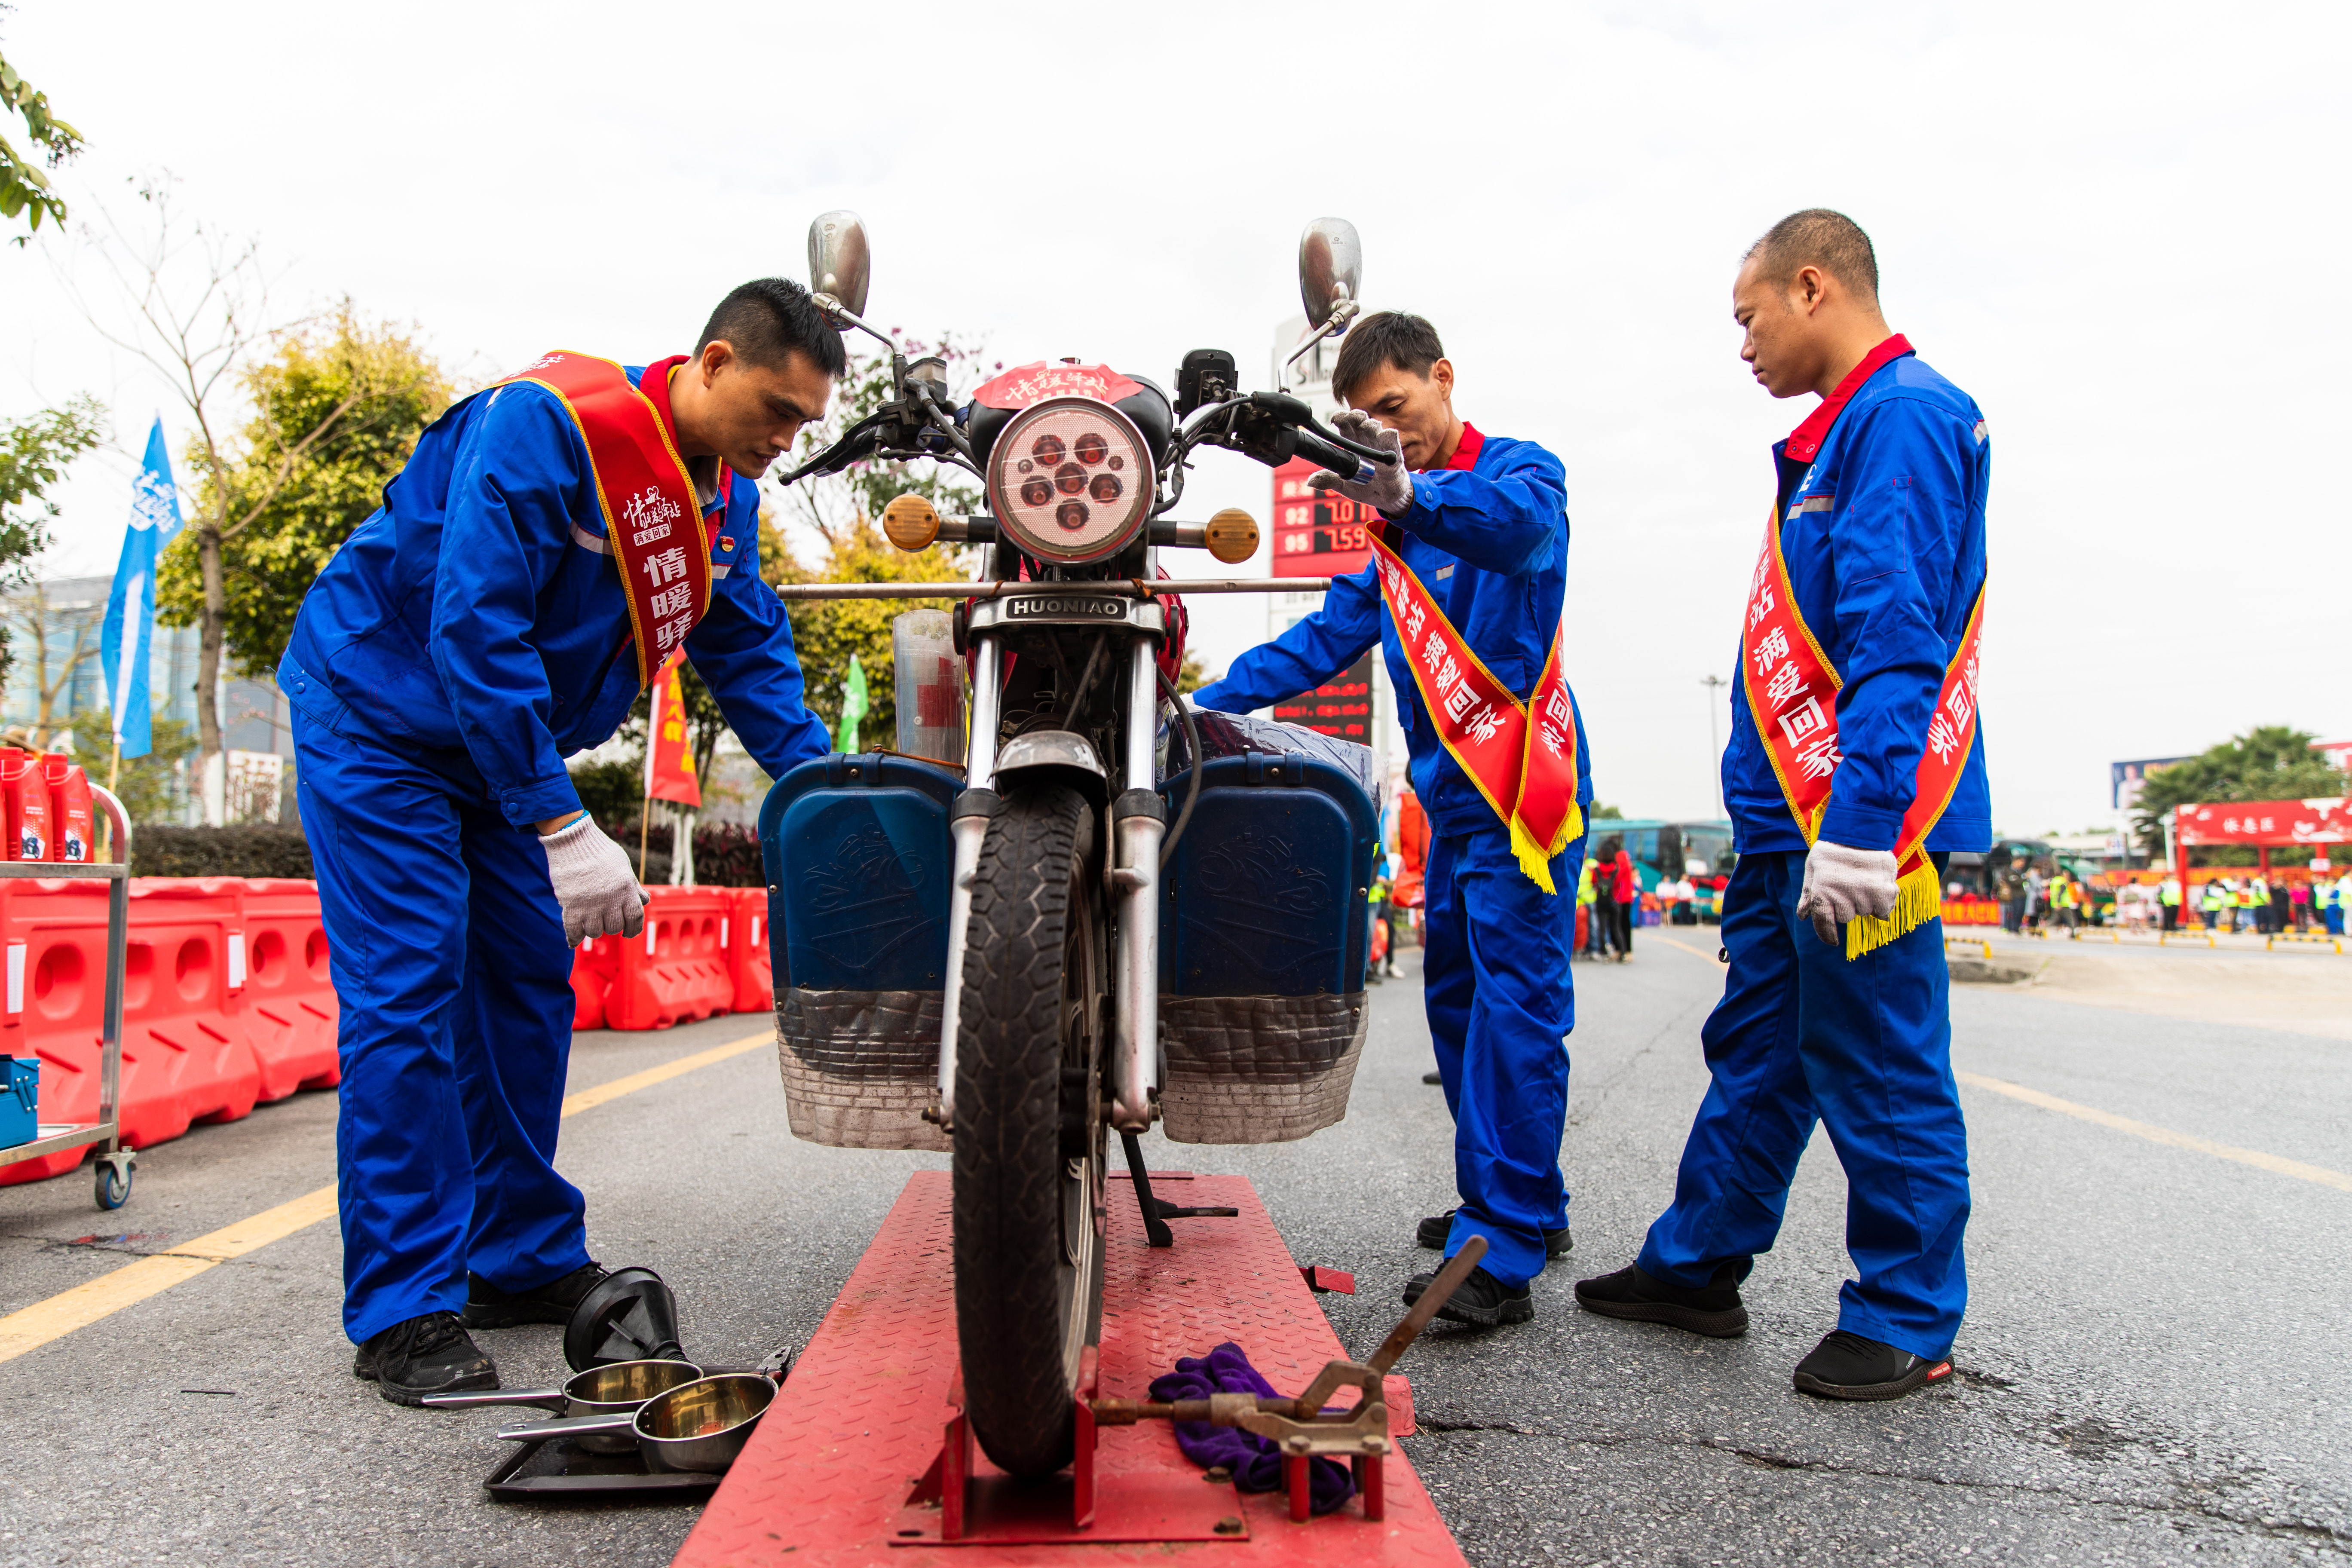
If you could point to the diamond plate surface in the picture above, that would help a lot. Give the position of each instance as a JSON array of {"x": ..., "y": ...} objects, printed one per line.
[{"x": 860, "y": 1419}]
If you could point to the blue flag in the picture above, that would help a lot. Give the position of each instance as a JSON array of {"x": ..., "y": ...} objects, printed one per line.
[{"x": 127, "y": 641}]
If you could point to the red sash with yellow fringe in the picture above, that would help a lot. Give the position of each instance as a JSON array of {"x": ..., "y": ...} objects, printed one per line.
[
  {"x": 1792, "y": 695},
  {"x": 652, "y": 521},
  {"x": 1522, "y": 758}
]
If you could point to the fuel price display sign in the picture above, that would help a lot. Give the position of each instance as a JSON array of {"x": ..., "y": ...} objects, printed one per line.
[{"x": 1315, "y": 534}]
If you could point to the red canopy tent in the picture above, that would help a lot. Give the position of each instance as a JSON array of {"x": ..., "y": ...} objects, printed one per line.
[{"x": 2266, "y": 824}]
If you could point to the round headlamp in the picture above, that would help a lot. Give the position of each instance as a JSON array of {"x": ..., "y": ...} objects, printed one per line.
[{"x": 1070, "y": 480}]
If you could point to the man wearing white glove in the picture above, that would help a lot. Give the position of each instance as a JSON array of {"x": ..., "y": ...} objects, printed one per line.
[
  {"x": 1480, "y": 523},
  {"x": 1856, "y": 766},
  {"x": 483, "y": 626}
]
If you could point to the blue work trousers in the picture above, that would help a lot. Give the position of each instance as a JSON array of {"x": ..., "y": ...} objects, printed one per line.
[
  {"x": 455, "y": 980},
  {"x": 1802, "y": 1035},
  {"x": 1497, "y": 971}
]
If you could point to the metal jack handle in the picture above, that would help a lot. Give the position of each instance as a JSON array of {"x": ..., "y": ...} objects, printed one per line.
[
  {"x": 1441, "y": 1290},
  {"x": 1303, "y": 1427},
  {"x": 1156, "y": 1214}
]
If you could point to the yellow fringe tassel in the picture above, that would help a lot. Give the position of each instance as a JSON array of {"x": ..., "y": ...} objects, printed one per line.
[
  {"x": 1533, "y": 858},
  {"x": 1919, "y": 898}
]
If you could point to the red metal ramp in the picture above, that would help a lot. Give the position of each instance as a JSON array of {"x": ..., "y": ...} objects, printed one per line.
[{"x": 827, "y": 1476}]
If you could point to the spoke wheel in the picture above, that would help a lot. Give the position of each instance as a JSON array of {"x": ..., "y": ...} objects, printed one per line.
[{"x": 1029, "y": 1136}]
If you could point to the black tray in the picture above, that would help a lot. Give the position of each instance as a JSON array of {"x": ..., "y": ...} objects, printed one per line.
[{"x": 559, "y": 1471}]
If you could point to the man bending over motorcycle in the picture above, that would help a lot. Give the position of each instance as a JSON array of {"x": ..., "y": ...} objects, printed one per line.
[{"x": 1473, "y": 557}]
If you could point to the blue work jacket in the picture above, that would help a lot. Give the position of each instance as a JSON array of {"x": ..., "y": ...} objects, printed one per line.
[
  {"x": 1487, "y": 536},
  {"x": 1881, "y": 506},
  {"x": 478, "y": 609}
]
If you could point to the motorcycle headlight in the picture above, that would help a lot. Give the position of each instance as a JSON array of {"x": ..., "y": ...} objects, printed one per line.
[{"x": 1070, "y": 480}]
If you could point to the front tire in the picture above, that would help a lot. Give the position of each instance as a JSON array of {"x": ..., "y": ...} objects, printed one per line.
[{"x": 1029, "y": 1130}]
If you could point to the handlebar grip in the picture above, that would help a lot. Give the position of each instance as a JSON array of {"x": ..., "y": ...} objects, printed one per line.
[{"x": 1329, "y": 455}]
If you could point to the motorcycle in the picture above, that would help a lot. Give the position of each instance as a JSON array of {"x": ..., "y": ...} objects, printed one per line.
[{"x": 1065, "y": 940}]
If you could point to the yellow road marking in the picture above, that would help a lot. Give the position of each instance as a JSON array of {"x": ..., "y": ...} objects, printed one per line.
[
  {"x": 589, "y": 1099},
  {"x": 32, "y": 1327},
  {"x": 2274, "y": 1163},
  {"x": 2166, "y": 1135},
  {"x": 1695, "y": 952}
]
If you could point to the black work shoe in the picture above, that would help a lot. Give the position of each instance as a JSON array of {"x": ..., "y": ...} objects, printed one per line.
[
  {"x": 1431, "y": 1234},
  {"x": 1713, "y": 1311},
  {"x": 1482, "y": 1301},
  {"x": 1847, "y": 1366},
  {"x": 1437, "y": 1077},
  {"x": 487, "y": 1307},
  {"x": 431, "y": 1354}
]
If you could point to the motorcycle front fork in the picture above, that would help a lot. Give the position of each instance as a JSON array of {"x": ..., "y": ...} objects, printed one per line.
[{"x": 1133, "y": 1070}]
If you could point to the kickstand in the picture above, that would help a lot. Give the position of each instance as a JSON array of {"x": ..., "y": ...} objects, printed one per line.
[{"x": 1156, "y": 1214}]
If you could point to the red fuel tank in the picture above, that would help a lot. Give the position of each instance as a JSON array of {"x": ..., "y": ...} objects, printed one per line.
[
  {"x": 27, "y": 796},
  {"x": 75, "y": 836}
]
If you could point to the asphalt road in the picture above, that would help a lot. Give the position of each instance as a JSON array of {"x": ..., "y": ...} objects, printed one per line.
[{"x": 2147, "y": 1373}]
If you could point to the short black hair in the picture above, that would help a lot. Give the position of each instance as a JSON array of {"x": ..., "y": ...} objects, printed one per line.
[
  {"x": 1818, "y": 237},
  {"x": 768, "y": 318},
  {"x": 1385, "y": 338}
]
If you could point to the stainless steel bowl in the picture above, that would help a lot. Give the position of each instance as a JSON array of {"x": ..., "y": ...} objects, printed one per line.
[{"x": 704, "y": 1424}]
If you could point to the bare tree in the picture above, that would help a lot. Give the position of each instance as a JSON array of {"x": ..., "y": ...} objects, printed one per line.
[
  {"x": 68, "y": 628},
  {"x": 193, "y": 304}
]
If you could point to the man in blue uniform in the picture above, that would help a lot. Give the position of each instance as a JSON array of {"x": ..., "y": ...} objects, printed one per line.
[
  {"x": 470, "y": 634},
  {"x": 1481, "y": 521},
  {"x": 1881, "y": 517}
]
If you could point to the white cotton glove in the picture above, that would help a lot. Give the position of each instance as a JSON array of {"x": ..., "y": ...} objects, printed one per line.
[
  {"x": 1841, "y": 884},
  {"x": 593, "y": 882},
  {"x": 1390, "y": 491}
]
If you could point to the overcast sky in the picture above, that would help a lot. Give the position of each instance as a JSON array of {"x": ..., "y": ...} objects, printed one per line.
[{"x": 2112, "y": 226}]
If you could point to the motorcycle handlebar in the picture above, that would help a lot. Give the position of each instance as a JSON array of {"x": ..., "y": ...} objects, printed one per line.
[{"x": 1326, "y": 452}]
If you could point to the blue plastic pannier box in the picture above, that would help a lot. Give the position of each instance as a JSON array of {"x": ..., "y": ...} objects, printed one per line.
[
  {"x": 859, "y": 857},
  {"x": 20, "y": 1102}
]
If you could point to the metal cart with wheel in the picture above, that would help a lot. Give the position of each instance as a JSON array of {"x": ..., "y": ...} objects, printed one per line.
[{"x": 115, "y": 1163}]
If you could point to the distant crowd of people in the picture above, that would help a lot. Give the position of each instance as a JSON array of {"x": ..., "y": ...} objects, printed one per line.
[{"x": 2258, "y": 903}]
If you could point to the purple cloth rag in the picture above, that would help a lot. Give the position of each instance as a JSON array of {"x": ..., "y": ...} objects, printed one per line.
[{"x": 1255, "y": 1461}]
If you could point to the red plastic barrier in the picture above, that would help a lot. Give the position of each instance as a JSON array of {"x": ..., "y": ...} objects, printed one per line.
[
  {"x": 186, "y": 1054},
  {"x": 748, "y": 967},
  {"x": 592, "y": 968},
  {"x": 675, "y": 972},
  {"x": 290, "y": 1010}
]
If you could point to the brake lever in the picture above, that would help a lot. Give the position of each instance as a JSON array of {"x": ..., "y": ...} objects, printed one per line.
[
  {"x": 855, "y": 445},
  {"x": 1371, "y": 454}
]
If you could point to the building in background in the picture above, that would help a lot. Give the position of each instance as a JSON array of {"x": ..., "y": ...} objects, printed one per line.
[{"x": 53, "y": 632}]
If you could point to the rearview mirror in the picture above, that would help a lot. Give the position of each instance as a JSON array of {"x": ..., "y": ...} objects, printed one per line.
[
  {"x": 839, "y": 264},
  {"x": 1330, "y": 269}
]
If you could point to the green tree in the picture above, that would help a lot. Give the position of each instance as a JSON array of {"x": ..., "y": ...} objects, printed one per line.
[
  {"x": 33, "y": 456},
  {"x": 335, "y": 413},
  {"x": 840, "y": 512},
  {"x": 826, "y": 632},
  {"x": 23, "y": 187},
  {"x": 2270, "y": 762},
  {"x": 148, "y": 786},
  {"x": 837, "y": 503}
]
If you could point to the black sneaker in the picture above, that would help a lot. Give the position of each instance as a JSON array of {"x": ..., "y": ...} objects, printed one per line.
[
  {"x": 1433, "y": 1231},
  {"x": 1847, "y": 1366},
  {"x": 487, "y": 1307},
  {"x": 431, "y": 1354},
  {"x": 1482, "y": 1301},
  {"x": 1713, "y": 1311}
]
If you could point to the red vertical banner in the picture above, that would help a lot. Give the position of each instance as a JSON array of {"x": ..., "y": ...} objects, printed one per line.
[{"x": 669, "y": 751}]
